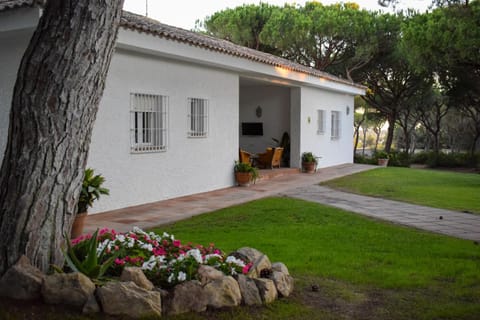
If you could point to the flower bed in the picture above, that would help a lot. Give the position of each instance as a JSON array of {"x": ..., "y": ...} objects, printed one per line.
[
  {"x": 142, "y": 274},
  {"x": 164, "y": 260}
]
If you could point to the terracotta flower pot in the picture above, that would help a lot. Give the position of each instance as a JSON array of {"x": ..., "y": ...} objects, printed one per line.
[
  {"x": 308, "y": 167},
  {"x": 78, "y": 223},
  {"x": 383, "y": 162},
  {"x": 243, "y": 178}
]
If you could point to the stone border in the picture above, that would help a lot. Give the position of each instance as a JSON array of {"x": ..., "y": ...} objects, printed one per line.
[{"x": 135, "y": 296}]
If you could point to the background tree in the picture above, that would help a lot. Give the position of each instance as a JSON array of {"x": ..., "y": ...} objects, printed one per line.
[
  {"x": 360, "y": 107},
  {"x": 242, "y": 25},
  {"x": 445, "y": 43},
  {"x": 431, "y": 117},
  {"x": 338, "y": 38},
  {"x": 55, "y": 101}
]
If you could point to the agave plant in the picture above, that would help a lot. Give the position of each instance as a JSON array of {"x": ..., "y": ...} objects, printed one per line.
[{"x": 84, "y": 258}]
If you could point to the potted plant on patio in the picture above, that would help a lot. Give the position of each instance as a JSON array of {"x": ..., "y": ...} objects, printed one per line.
[
  {"x": 382, "y": 158},
  {"x": 309, "y": 162},
  {"x": 91, "y": 191},
  {"x": 245, "y": 173}
]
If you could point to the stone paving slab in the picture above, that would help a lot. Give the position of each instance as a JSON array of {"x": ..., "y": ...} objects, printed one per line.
[{"x": 452, "y": 223}]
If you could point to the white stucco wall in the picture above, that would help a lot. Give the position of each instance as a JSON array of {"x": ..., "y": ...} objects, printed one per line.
[
  {"x": 332, "y": 151},
  {"x": 190, "y": 165},
  {"x": 275, "y": 104},
  {"x": 147, "y": 64}
]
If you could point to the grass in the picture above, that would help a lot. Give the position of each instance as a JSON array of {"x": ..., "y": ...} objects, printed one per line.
[
  {"x": 439, "y": 189},
  {"x": 365, "y": 268}
]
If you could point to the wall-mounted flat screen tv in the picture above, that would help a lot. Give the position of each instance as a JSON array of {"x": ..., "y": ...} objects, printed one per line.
[{"x": 252, "y": 128}]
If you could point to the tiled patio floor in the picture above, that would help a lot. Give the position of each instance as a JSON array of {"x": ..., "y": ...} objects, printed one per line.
[{"x": 167, "y": 211}]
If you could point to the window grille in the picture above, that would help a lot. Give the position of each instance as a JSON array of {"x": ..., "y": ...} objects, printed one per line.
[
  {"x": 336, "y": 125},
  {"x": 148, "y": 122},
  {"x": 198, "y": 117},
  {"x": 320, "y": 121}
]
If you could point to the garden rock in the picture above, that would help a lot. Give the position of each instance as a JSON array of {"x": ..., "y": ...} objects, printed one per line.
[
  {"x": 187, "y": 297},
  {"x": 280, "y": 267},
  {"x": 207, "y": 274},
  {"x": 73, "y": 289},
  {"x": 267, "y": 290},
  {"x": 22, "y": 281},
  {"x": 126, "y": 298},
  {"x": 251, "y": 253},
  {"x": 260, "y": 261},
  {"x": 283, "y": 283},
  {"x": 249, "y": 291},
  {"x": 223, "y": 292},
  {"x": 91, "y": 306},
  {"x": 136, "y": 275}
]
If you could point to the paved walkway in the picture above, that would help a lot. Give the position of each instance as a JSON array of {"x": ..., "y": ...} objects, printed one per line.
[
  {"x": 452, "y": 223},
  {"x": 297, "y": 185}
]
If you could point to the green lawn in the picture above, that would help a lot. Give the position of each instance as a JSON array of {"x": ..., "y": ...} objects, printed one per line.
[
  {"x": 440, "y": 189},
  {"x": 366, "y": 269}
]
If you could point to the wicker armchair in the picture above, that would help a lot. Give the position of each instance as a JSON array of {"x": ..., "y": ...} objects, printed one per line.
[
  {"x": 245, "y": 157},
  {"x": 271, "y": 158}
]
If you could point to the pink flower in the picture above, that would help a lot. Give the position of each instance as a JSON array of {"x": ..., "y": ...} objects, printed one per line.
[
  {"x": 216, "y": 251},
  {"x": 120, "y": 262},
  {"x": 133, "y": 236},
  {"x": 246, "y": 268},
  {"x": 159, "y": 251},
  {"x": 176, "y": 243},
  {"x": 103, "y": 231}
]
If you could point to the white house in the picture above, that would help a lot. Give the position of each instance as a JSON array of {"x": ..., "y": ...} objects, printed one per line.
[{"x": 170, "y": 120}]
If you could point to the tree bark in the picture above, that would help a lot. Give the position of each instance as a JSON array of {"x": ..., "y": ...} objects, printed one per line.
[
  {"x": 390, "y": 131},
  {"x": 58, "y": 89}
]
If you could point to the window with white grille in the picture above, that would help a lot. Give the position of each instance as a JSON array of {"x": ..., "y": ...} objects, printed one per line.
[
  {"x": 336, "y": 125},
  {"x": 148, "y": 122},
  {"x": 197, "y": 117},
  {"x": 320, "y": 121}
]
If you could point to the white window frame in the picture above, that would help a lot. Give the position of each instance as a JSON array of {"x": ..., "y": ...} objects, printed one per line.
[
  {"x": 198, "y": 116},
  {"x": 321, "y": 123},
  {"x": 148, "y": 122},
  {"x": 336, "y": 125}
]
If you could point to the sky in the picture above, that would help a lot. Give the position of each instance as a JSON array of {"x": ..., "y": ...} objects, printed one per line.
[{"x": 184, "y": 13}]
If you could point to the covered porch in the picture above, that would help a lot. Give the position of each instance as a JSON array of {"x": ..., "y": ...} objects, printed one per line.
[{"x": 265, "y": 119}]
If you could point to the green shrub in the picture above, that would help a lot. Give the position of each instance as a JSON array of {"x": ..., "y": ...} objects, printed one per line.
[{"x": 399, "y": 159}]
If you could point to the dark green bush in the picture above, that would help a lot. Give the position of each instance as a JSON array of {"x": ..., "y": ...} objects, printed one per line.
[
  {"x": 447, "y": 160},
  {"x": 399, "y": 159}
]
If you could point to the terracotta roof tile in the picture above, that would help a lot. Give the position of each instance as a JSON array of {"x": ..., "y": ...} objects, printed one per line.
[
  {"x": 10, "y": 4},
  {"x": 147, "y": 25}
]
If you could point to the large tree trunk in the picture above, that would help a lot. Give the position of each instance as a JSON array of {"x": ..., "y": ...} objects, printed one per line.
[
  {"x": 56, "y": 96},
  {"x": 390, "y": 132}
]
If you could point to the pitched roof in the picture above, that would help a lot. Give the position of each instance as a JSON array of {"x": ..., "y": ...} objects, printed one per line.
[
  {"x": 10, "y": 4},
  {"x": 143, "y": 24}
]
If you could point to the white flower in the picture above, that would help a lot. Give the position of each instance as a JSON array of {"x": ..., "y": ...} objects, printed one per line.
[
  {"x": 150, "y": 264},
  {"x": 137, "y": 230},
  {"x": 233, "y": 272},
  {"x": 120, "y": 237},
  {"x": 195, "y": 253},
  {"x": 146, "y": 246},
  {"x": 238, "y": 262},
  {"x": 212, "y": 255},
  {"x": 171, "y": 277},
  {"x": 102, "y": 246},
  {"x": 182, "y": 276},
  {"x": 165, "y": 235}
]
